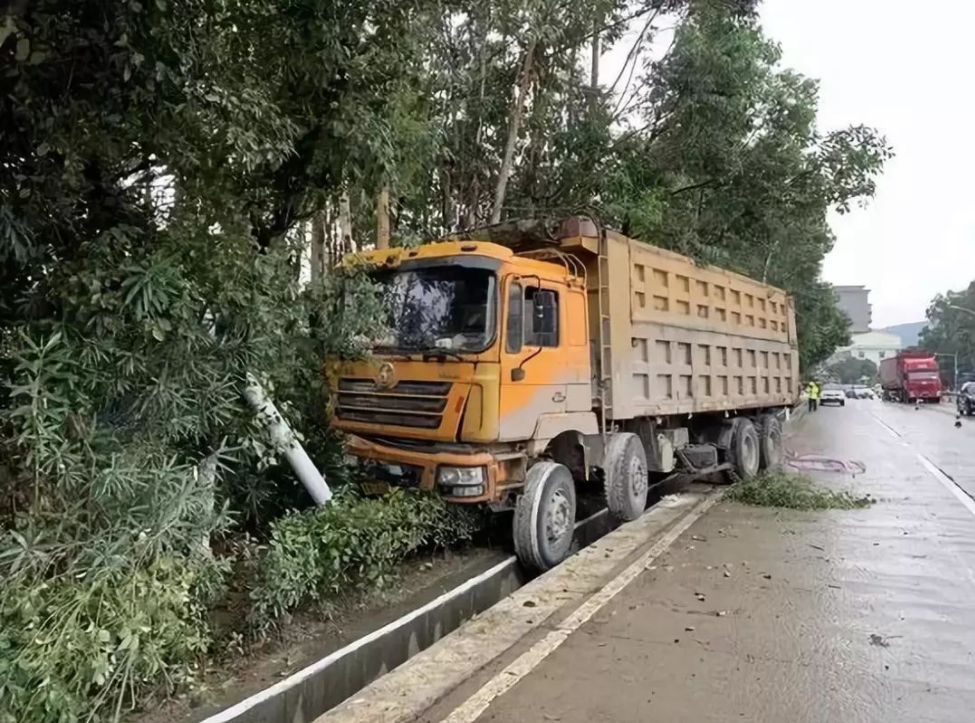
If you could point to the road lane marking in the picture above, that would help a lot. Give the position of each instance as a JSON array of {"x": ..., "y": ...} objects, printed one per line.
[
  {"x": 890, "y": 430},
  {"x": 957, "y": 490},
  {"x": 471, "y": 709},
  {"x": 949, "y": 483}
]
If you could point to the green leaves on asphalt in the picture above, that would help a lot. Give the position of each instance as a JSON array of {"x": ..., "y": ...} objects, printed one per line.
[{"x": 794, "y": 492}]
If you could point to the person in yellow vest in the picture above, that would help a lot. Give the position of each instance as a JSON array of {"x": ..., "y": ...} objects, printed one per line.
[{"x": 812, "y": 392}]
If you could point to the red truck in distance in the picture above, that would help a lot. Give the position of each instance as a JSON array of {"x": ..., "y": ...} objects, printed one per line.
[{"x": 911, "y": 376}]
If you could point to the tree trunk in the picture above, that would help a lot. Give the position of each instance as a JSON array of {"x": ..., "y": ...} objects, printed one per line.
[
  {"x": 475, "y": 186},
  {"x": 346, "y": 244},
  {"x": 446, "y": 200},
  {"x": 471, "y": 218},
  {"x": 382, "y": 218},
  {"x": 594, "y": 72},
  {"x": 318, "y": 252},
  {"x": 514, "y": 125}
]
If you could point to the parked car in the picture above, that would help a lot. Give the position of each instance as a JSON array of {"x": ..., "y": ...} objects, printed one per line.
[
  {"x": 851, "y": 393},
  {"x": 966, "y": 399},
  {"x": 832, "y": 396}
]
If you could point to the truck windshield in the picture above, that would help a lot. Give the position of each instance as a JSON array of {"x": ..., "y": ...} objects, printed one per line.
[
  {"x": 447, "y": 308},
  {"x": 920, "y": 376}
]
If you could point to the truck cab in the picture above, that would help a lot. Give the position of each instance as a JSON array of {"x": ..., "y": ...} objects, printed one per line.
[{"x": 486, "y": 362}]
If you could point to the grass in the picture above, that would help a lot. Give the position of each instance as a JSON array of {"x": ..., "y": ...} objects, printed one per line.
[{"x": 794, "y": 492}]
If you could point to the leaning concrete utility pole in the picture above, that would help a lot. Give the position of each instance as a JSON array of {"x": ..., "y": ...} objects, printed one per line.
[{"x": 285, "y": 441}]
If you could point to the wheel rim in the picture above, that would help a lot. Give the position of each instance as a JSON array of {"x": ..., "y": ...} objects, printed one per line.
[
  {"x": 638, "y": 478},
  {"x": 558, "y": 517}
]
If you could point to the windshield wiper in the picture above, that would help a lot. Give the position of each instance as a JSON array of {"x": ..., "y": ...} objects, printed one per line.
[
  {"x": 436, "y": 352},
  {"x": 429, "y": 352}
]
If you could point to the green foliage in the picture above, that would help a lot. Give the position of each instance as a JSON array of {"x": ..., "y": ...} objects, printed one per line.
[
  {"x": 91, "y": 645},
  {"x": 853, "y": 371},
  {"x": 951, "y": 328},
  {"x": 794, "y": 492},
  {"x": 355, "y": 542},
  {"x": 821, "y": 325}
]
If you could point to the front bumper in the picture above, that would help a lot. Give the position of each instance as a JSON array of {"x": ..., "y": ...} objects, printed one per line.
[{"x": 504, "y": 471}]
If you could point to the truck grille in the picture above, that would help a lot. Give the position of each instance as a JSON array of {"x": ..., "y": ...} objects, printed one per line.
[{"x": 407, "y": 404}]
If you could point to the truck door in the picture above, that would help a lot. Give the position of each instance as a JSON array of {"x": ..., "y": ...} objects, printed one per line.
[{"x": 534, "y": 376}]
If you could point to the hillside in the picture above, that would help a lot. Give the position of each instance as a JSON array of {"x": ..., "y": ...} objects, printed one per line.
[{"x": 907, "y": 332}]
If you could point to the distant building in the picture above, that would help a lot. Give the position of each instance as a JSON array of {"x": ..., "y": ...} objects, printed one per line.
[
  {"x": 855, "y": 301},
  {"x": 873, "y": 345}
]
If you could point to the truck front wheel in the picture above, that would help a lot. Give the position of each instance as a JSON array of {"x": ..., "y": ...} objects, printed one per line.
[
  {"x": 627, "y": 479},
  {"x": 545, "y": 516},
  {"x": 744, "y": 454}
]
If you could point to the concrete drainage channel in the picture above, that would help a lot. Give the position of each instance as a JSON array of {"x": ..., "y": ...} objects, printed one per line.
[
  {"x": 330, "y": 682},
  {"x": 318, "y": 687},
  {"x": 327, "y": 683}
]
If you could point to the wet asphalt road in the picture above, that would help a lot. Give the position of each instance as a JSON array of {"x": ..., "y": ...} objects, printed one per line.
[{"x": 779, "y": 616}]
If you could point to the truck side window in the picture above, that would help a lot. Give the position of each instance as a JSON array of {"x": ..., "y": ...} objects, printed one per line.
[
  {"x": 516, "y": 314},
  {"x": 541, "y": 317}
]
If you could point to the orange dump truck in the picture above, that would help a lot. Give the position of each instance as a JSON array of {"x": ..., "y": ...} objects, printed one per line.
[{"x": 575, "y": 358}]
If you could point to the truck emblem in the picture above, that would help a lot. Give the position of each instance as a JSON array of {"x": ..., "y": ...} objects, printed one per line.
[{"x": 386, "y": 376}]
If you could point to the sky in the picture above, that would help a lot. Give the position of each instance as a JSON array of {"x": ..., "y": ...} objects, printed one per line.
[{"x": 908, "y": 74}]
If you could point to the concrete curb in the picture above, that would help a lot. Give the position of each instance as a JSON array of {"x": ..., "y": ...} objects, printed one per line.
[
  {"x": 325, "y": 683},
  {"x": 406, "y": 693}
]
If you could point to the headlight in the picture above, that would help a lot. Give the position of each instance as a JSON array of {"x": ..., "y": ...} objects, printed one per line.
[
  {"x": 460, "y": 476},
  {"x": 461, "y": 481}
]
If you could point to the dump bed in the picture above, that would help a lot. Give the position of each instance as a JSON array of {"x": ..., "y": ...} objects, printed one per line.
[
  {"x": 679, "y": 338},
  {"x": 890, "y": 373}
]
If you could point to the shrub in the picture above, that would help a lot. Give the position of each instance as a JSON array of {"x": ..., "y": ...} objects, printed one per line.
[{"x": 353, "y": 543}]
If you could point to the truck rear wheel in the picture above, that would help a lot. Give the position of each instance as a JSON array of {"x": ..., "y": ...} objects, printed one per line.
[
  {"x": 545, "y": 516},
  {"x": 627, "y": 478},
  {"x": 744, "y": 453},
  {"x": 770, "y": 441}
]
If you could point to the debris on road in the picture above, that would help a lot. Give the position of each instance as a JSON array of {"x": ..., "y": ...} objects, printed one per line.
[{"x": 882, "y": 641}]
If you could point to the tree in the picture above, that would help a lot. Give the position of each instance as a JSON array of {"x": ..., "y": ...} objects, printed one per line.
[
  {"x": 853, "y": 371},
  {"x": 951, "y": 327},
  {"x": 730, "y": 168},
  {"x": 154, "y": 168}
]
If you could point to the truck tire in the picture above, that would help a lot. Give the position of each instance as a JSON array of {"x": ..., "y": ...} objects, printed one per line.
[
  {"x": 627, "y": 478},
  {"x": 545, "y": 516},
  {"x": 744, "y": 453},
  {"x": 770, "y": 441}
]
